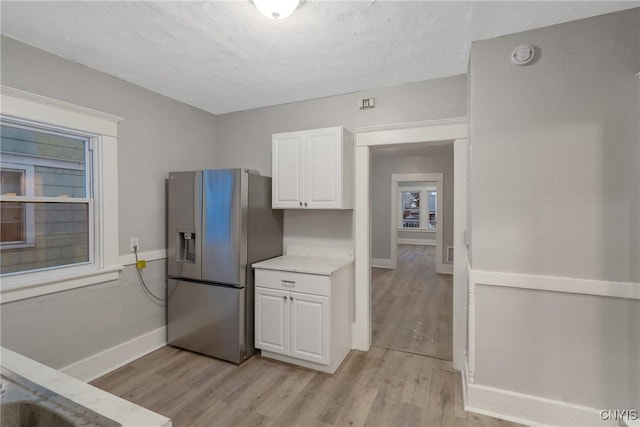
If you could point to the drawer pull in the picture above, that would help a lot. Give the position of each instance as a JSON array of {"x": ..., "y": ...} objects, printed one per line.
[{"x": 289, "y": 283}]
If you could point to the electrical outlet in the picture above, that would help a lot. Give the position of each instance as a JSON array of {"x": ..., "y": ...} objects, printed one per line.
[{"x": 134, "y": 241}]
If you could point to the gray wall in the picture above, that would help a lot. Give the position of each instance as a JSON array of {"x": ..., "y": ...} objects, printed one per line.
[
  {"x": 554, "y": 191},
  {"x": 565, "y": 128},
  {"x": 157, "y": 135},
  {"x": 566, "y": 347},
  {"x": 244, "y": 139},
  {"x": 382, "y": 167}
]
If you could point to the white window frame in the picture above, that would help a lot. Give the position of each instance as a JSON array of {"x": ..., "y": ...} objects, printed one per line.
[
  {"x": 29, "y": 216},
  {"x": 424, "y": 208},
  {"x": 20, "y": 106}
]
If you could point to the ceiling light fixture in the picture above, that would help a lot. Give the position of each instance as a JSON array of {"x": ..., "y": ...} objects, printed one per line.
[{"x": 276, "y": 9}]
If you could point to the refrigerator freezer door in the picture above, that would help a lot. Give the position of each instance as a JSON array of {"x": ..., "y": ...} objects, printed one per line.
[
  {"x": 224, "y": 250},
  {"x": 207, "y": 319},
  {"x": 184, "y": 219}
]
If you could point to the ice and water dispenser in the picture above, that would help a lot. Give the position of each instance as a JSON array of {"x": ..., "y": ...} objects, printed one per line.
[{"x": 186, "y": 246}]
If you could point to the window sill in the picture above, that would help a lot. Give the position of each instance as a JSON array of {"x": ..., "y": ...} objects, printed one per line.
[
  {"x": 18, "y": 288},
  {"x": 419, "y": 230}
]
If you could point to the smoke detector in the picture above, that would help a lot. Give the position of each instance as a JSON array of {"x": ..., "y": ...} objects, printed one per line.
[{"x": 523, "y": 54}]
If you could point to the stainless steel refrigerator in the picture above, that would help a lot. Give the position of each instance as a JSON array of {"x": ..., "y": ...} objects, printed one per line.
[{"x": 219, "y": 222}]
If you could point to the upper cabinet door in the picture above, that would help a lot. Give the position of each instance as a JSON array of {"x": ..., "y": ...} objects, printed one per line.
[
  {"x": 287, "y": 162},
  {"x": 323, "y": 177}
]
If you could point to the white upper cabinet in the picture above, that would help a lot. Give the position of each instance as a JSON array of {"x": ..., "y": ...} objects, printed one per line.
[{"x": 313, "y": 169}]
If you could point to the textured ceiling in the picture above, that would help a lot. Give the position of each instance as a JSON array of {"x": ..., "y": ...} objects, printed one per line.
[{"x": 224, "y": 56}]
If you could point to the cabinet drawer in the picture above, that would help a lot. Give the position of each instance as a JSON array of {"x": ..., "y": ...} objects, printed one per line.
[{"x": 298, "y": 282}]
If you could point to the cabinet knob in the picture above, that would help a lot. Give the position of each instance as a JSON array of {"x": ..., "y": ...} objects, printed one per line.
[
  {"x": 300, "y": 204},
  {"x": 284, "y": 297},
  {"x": 305, "y": 204}
]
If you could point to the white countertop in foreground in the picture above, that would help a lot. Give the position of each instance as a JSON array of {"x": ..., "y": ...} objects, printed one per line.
[
  {"x": 324, "y": 266},
  {"x": 105, "y": 404}
]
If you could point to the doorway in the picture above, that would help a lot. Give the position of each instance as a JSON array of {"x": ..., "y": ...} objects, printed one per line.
[
  {"x": 411, "y": 304},
  {"x": 420, "y": 132}
]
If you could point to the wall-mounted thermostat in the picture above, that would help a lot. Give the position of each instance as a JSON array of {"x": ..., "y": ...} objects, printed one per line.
[{"x": 523, "y": 54}]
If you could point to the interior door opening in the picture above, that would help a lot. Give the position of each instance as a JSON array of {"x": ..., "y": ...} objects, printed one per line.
[{"x": 411, "y": 300}]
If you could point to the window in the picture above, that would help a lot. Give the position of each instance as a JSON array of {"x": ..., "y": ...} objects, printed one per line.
[
  {"x": 46, "y": 199},
  {"x": 418, "y": 207},
  {"x": 58, "y": 196}
]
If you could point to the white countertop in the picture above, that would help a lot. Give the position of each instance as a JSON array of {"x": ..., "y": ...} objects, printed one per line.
[
  {"x": 324, "y": 266},
  {"x": 88, "y": 396}
]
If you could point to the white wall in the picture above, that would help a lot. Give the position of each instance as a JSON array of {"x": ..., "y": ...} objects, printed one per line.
[
  {"x": 244, "y": 139},
  {"x": 382, "y": 167},
  {"x": 554, "y": 191},
  {"x": 158, "y": 135}
]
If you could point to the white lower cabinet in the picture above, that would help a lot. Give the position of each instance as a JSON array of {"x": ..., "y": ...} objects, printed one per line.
[
  {"x": 303, "y": 318},
  {"x": 293, "y": 324}
]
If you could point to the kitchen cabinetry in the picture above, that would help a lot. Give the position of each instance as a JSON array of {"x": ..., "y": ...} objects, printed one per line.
[
  {"x": 313, "y": 169},
  {"x": 304, "y": 318}
]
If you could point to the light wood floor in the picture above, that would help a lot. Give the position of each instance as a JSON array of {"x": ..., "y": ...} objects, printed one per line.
[
  {"x": 380, "y": 387},
  {"x": 412, "y": 306}
]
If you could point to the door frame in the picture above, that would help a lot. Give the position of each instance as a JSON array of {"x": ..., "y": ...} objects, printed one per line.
[
  {"x": 397, "y": 178},
  {"x": 455, "y": 129}
]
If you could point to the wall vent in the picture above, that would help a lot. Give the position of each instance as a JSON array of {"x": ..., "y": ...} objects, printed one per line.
[{"x": 449, "y": 253}]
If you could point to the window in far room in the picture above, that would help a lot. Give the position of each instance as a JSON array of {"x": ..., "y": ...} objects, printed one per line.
[{"x": 418, "y": 207}]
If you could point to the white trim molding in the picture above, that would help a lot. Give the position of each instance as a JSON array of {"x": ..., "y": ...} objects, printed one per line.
[
  {"x": 20, "y": 104},
  {"x": 523, "y": 408},
  {"x": 421, "y": 242},
  {"x": 381, "y": 263},
  {"x": 529, "y": 410},
  {"x": 98, "y": 364},
  {"x": 130, "y": 259},
  {"x": 407, "y": 133},
  {"x": 431, "y": 132},
  {"x": 396, "y": 179},
  {"x": 101, "y": 129},
  {"x": 539, "y": 283},
  {"x": 571, "y": 285},
  {"x": 460, "y": 249},
  {"x": 57, "y": 281}
]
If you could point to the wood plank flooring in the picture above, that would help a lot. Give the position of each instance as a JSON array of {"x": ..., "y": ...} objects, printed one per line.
[
  {"x": 381, "y": 387},
  {"x": 412, "y": 306}
]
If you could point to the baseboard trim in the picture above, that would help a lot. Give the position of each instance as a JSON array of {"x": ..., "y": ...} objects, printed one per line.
[
  {"x": 381, "y": 263},
  {"x": 130, "y": 259},
  {"x": 421, "y": 242},
  {"x": 444, "y": 268},
  {"x": 603, "y": 288},
  {"x": 96, "y": 365},
  {"x": 529, "y": 410}
]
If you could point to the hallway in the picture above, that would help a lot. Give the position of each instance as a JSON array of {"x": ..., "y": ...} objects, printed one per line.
[{"x": 413, "y": 305}]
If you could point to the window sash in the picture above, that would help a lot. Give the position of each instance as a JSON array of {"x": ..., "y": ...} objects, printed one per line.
[
  {"x": 424, "y": 209},
  {"x": 61, "y": 200}
]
